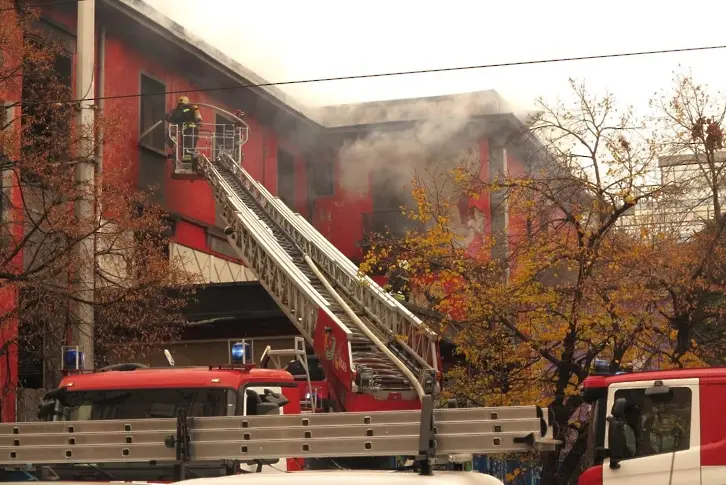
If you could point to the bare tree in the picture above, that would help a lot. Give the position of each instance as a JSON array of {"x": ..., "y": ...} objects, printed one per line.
[{"x": 39, "y": 231}]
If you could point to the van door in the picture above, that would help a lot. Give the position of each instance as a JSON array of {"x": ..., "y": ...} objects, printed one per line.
[{"x": 667, "y": 435}]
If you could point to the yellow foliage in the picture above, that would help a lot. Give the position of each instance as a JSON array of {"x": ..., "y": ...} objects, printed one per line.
[{"x": 572, "y": 287}]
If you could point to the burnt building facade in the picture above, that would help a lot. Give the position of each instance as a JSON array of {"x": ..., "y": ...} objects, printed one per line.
[{"x": 347, "y": 169}]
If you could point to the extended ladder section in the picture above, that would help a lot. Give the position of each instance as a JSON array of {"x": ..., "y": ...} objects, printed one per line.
[
  {"x": 366, "y": 340},
  {"x": 251, "y": 438}
]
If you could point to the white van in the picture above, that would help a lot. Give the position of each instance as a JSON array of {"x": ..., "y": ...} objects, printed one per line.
[{"x": 348, "y": 477}]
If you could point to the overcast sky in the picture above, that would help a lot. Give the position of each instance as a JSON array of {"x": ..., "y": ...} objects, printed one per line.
[{"x": 285, "y": 40}]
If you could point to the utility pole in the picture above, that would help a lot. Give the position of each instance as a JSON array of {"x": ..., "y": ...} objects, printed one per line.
[{"x": 84, "y": 280}]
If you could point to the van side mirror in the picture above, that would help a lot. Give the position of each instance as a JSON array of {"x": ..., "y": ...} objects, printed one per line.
[
  {"x": 58, "y": 393},
  {"x": 267, "y": 408},
  {"x": 274, "y": 398},
  {"x": 659, "y": 392},
  {"x": 46, "y": 410}
]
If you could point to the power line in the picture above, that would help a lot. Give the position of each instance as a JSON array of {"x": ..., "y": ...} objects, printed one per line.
[
  {"x": 45, "y": 4},
  {"x": 394, "y": 74}
]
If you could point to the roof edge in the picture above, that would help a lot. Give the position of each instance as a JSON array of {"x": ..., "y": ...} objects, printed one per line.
[{"x": 146, "y": 14}]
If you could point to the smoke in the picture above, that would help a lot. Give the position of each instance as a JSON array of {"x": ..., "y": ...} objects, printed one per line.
[
  {"x": 406, "y": 137},
  {"x": 397, "y": 152},
  {"x": 225, "y": 25}
]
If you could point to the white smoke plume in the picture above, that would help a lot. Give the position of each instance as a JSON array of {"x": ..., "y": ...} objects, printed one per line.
[{"x": 395, "y": 146}]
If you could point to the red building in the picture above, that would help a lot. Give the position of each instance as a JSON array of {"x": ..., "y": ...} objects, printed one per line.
[{"x": 345, "y": 168}]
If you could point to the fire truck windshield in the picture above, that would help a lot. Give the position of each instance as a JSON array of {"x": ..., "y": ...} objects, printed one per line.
[{"x": 147, "y": 403}]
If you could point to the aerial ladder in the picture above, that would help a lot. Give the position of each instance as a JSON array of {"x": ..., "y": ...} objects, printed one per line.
[
  {"x": 168, "y": 446},
  {"x": 368, "y": 343}
]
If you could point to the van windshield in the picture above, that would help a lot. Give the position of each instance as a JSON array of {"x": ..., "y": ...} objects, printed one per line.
[{"x": 148, "y": 403}]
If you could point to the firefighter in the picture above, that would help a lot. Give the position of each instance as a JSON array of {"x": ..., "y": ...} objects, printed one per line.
[
  {"x": 188, "y": 118},
  {"x": 398, "y": 281}
]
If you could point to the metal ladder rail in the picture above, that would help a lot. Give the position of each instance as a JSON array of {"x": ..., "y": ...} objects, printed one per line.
[
  {"x": 366, "y": 356},
  {"x": 346, "y": 264},
  {"x": 418, "y": 339},
  {"x": 391, "y": 315},
  {"x": 416, "y": 336},
  {"x": 262, "y": 232},
  {"x": 296, "y": 297},
  {"x": 383, "y": 332},
  {"x": 371, "y": 353}
]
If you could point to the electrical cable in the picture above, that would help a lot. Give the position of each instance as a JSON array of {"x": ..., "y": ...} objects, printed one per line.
[{"x": 390, "y": 74}]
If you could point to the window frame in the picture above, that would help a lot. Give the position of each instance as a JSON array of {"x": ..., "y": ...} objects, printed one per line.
[
  {"x": 6, "y": 176},
  {"x": 145, "y": 144},
  {"x": 221, "y": 120},
  {"x": 323, "y": 169},
  {"x": 293, "y": 191},
  {"x": 26, "y": 177},
  {"x": 87, "y": 409},
  {"x": 686, "y": 391}
]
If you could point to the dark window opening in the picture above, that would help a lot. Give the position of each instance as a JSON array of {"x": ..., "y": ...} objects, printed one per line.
[
  {"x": 31, "y": 342},
  {"x": 153, "y": 109},
  {"x": 152, "y": 175},
  {"x": 323, "y": 178},
  {"x": 6, "y": 119},
  {"x": 390, "y": 195},
  {"x": 659, "y": 427},
  {"x": 223, "y": 134},
  {"x": 148, "y": 246},
  {"x": 222, "y": 246},
  {"x": 46, "y": 125},
  {"x": 286, "y": 178},
  {"x": 298, "y": 372},
  {"x": 148, "y": 403}
]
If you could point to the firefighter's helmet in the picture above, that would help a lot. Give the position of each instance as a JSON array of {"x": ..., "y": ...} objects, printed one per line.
[{"x": 183, "y": 100}]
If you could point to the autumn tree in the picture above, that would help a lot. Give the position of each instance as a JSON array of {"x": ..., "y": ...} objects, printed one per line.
[
  {"x": 39, "y": 230},
  {"x": 578, "y": 277},
  {"x": 691, "y": 268}
]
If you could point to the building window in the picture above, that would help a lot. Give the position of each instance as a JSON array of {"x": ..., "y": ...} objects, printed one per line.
[
  {"x": 152, "y": 175},
  {"x": 286, "y": 178},
  {"x": 47, "y": 137},
  {"x": 222, "y": 246},
  {"x": 223, "y": 134},
  {"x": 32, "y": 335},
  {"x": 153, "y": 109},
  {"x": 6, "y": 174},
  {"x": 323, "y": 178}
]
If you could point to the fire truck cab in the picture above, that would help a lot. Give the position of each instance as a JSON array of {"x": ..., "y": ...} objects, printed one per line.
[
  {"x": 660, "y": 427},
  {"x": 135, "y": 391}
]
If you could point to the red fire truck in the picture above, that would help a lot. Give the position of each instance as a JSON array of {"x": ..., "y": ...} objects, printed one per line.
[
  {"x": 135, "y": 391},
  {"x": 660, "y": 427}
]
